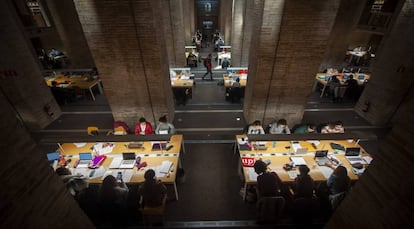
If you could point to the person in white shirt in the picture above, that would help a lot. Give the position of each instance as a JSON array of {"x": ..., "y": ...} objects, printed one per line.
[
  {"x": 280, "y": 127},
  {"x": 255, "y": 128},
  {"x": 164, "y": 127}
]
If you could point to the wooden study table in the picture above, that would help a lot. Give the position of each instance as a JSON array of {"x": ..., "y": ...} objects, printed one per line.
[
  {"x": 323, "y": 78},
  {"x": 81, "y": 82},
  {"x": 229, "y": 79},
  {"x": 279, "y": 153},
  {"x": 153, "y": 158}
]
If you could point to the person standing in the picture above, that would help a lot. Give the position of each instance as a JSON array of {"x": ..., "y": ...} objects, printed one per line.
[{"x": 207, "y": 64}]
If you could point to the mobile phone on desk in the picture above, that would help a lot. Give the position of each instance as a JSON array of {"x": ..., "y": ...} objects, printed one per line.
[{"x": 119, "y": 176}]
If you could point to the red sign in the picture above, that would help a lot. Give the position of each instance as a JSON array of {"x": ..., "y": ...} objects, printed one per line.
[{"x": 248, "y": 161}]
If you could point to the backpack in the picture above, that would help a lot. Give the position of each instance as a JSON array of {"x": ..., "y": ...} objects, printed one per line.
[{"x": 205, "y": 62}]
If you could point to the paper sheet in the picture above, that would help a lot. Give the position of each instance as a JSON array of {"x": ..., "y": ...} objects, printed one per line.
[
  {"x": 79, "y": 144},
  {"x": 298, "y": 160},
  {"x": 326, "y": 171},
  {"x": 252, "y": 174}
]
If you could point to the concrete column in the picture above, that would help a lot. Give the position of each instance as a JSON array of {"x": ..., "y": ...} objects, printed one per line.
[
  {"x": 239, "y": 17},
  {"x": 21, "y": 81},
  {"x": 225, "y": 18},
  {"x": 285, "y": 53},
  {"x": 392, "y": 71},
  {"x": 188, "y": 18},
  {"x": 70, "y": 31},
  {"x": 128, "y": 46},
  {"x": 173, "y": 29},
  {"x": 346, "y": 21},
  {"x": 31, "y": 194},
  {"x": 244, "y": 16}
]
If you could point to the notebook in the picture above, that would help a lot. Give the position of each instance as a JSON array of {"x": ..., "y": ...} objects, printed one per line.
[
  {"x": 84, "y": 160},
  {"x": 128, "y": 160}
]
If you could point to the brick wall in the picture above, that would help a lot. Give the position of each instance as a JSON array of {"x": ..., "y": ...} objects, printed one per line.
[
  {"x": 286, "y": 51},
  {"x": 20, "y": 78},
  {"x": 343, "y": 32},
  {"x": 31, "y": 194},
  {"x": 128, "y": 46},
  {"x": 392, "y": 71},
  {"x": 67, "y": 24}
]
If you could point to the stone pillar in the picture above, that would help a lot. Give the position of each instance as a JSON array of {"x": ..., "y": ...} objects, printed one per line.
[
  {"x": 285, "y": 53},
  {"x": 244, "y": 16},
  {"x": 384, "y": 192},
  {"x": 392, "y": 70},
  {"x": 346, "y": 20},
  {"x": 31, "y": 194},
  {"x": 67, "y": 24},
  {"x": 188, "y": 18},
  {"x": 225, "y": 19},
  {"x": 128, "y": 46},
  {"x": 173, "y": 29},
  {"x": 21, "y": 81}
]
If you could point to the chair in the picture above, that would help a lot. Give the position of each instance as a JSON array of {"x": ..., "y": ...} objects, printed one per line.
[
  {"x": 120, "y": 131},
  {"x": 153, "y": 216},
  {"x": 304, "y": 209},
  {"x": 339, "y": 93},
  {"x": 93, "y": 130},
  {"x": 336, "y": 199},
  {"x": 270, "y": 209},
  {"x": 235, "y": 94}
]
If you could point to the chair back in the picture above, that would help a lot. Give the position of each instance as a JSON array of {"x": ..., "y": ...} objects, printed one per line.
[
  {"x": 92, "y": 130},
  {"x": 119, "y": 131},
  {"x": 270, "y": 209}
]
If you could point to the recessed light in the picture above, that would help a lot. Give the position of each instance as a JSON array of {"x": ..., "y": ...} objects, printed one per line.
[{"x": 238, "y": 119}]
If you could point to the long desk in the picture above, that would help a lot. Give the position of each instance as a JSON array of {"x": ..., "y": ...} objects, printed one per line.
[
  {"x": 229, "y": 79},
  {"x": 153, "y": 158},
  {"x": 280, "y": 152},
  {"x": 322, "y": 78},
  {"x": 81, "y": 82}
]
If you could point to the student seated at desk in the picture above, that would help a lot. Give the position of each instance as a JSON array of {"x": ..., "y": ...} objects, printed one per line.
[
  {"x": 164, "y": 127},
  {"x": 268, "y": 183},
  {"x": 280, "y": 127},
  {"x": 143, "y": 127},
  {"x": 303, "y": 185},
  {"x": 75, "y": 183},
  {"x": 152, "y": 191},
  {"x": 255, "y": 128},
  {"x": 305, "y": 129},
  {"x": 113, "y": 192},
  {"x": 333, "y": 128}
]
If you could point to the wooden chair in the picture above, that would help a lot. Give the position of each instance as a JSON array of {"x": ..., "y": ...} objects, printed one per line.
[
  {"x": 270, "y": 209},
  {"x": 153, "y": 216}
]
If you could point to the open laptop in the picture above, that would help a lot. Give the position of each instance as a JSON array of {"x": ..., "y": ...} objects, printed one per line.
[
  {"x": 128, "y": 160},
  {"x": 84, "y": 160},
  {"x": 321, "y": 157},
  {"x": 52, "y": 157},
  {"x": 353, "y": 155}
]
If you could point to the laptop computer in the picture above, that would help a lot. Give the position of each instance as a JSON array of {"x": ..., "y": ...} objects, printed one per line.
[
  {"x": 84, "y": 160},
  {"x": 128, "y": 160},
  {"x": 321, "y": 157},
  {"x": 353, "y": 155},
  {"x": 52, "y": 157}
]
